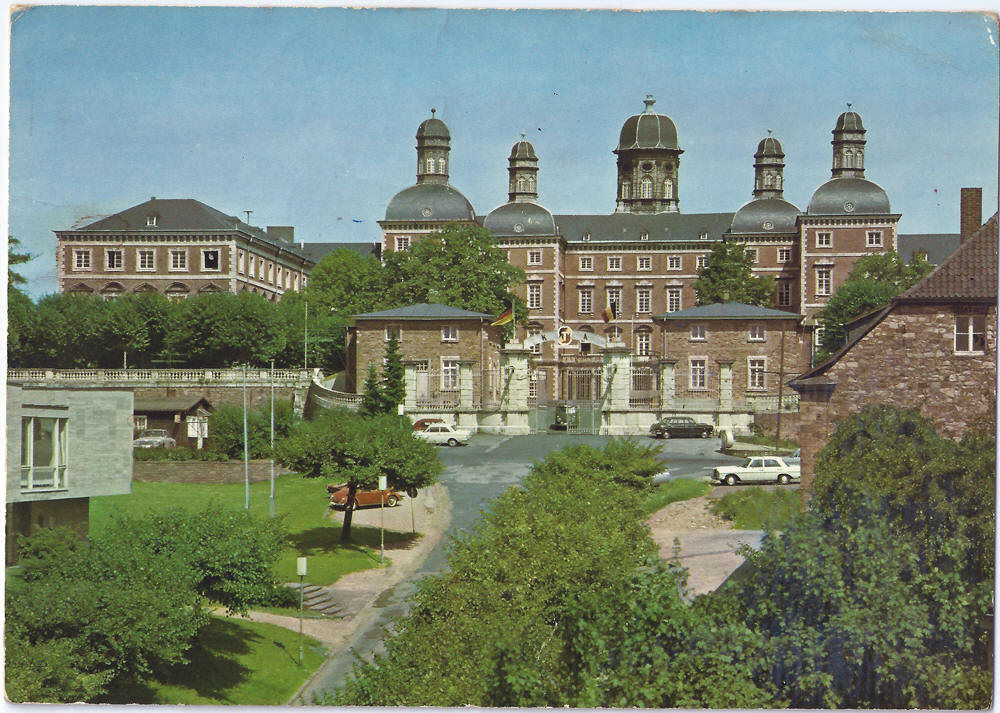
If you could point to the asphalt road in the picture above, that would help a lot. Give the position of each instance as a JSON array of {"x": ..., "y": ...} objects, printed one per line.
[{"x": 474, "y": 475}]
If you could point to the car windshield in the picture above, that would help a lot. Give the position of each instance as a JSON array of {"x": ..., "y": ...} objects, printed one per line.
[{"x": 746, "y": 463}]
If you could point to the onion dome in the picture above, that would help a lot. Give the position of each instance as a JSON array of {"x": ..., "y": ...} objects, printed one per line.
[
  {"x": 522, "y": 150},
  {"x": 849, "y": 121},
  {"x": 522, "y": 218},
  {"x": 765, "y": 215},
  {"x": 433, "y": 128},
  {"x": 769, "y": 147},
  {"x": 648, "y": 130},
  {"x": 430, "y": 201},
  {"x": 849, "y": 196}
]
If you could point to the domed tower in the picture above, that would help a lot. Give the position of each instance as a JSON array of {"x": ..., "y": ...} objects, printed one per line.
[
  {"x": 433, "y": 146},
  {"x": 768, "y": 166},
  {"x": 523, "y": 169},
  {"x": 849, "y": 146},
  {"x": 648, "y": 162}
]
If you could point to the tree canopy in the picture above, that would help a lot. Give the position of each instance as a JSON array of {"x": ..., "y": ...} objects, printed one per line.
[{"x": 728, "y": 277}]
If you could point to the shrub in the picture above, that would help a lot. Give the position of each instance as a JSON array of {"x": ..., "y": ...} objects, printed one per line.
[
  {"x": 225, "y": 427},
  {"x": 758, "y": 508},
  {"x": 179, "y": 453}
]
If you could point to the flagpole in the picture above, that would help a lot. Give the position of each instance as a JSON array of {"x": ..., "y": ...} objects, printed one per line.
[{"x": 513, "y": 314}]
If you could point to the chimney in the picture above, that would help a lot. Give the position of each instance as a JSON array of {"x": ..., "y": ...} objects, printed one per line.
[
  {"x": 286, "y": 233},
  {"x": 972, "y": 212}
]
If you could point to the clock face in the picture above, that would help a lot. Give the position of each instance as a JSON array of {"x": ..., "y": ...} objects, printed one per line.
[
  {"x": 849, "y": 207},
  {"x": 518, "y": 228},
  {"x": 767, "y": 225},
  {"x": 426, "y": 212}
]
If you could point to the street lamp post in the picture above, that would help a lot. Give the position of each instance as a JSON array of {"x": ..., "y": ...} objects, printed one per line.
[
  {"x": 272, "y": 439},
  {"x": 301, "y": 566},
  {"x": 246, "y": 446}
]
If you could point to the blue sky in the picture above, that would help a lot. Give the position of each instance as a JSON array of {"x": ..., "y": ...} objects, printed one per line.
[{"x": 307, "y": 116}]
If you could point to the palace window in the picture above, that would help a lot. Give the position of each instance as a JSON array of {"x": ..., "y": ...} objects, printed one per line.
[
  {"x": 430, "y": 165},
  {"x": 81, "y": 259},
  {"x": 673, "y": 299},
  {"x": 402, "y": 243},
  {"x": 114, "y": 259},
  {"x": 586, "y": 263},
  {"x": 151, "y": 221},
  {"x": 698, "y": 373},
  {"x": 615, "y": 300},
  {"x": 614, "y": 334},
  {"x": 43, "y": 453},
  {"x": 824, "y": 281},
  {"x": 449, "y": 374},
  {"x": 534, "y": 257},
  {"x": 702, "y": 262},
  {"x": 874, "y": 238},
  {"x": 178, "y": 259},
  {"x": 270, "y": 272},
  {"x": 210, "y": 261},
  {"x": 703, "y": 235},
  {"x": 615, "y": 262},
  {"x": 757, "y": 333},
  {"x": 586, "y": 300},
  {"x": 626, "y": 190},
  {"x": 643, "y": 300},
  {"x": 646, "y": 188},
  {"x": 784, "y": 291},
  {"x": 824, "y": 240},
  {"x": 698, "y": 333},
  {"x": 642, "y": 342},
  {"x": 784, "y": 254},
  {"x": 674, "y": 262},
  {"x": 970, "y": 334},
  {"x": 644, "y": 262},
  {"x": 146, "y": 260},
  {"x": 668, "y": 189},
  {"x": 241, "y": 261},
  {"x": 449, "y": 333},
  {"x": 751, "y": 253},
  {"x": 534, "y": 296},
  {"x": 534, "y": 331},
  {"x": 756, "y": 377}
]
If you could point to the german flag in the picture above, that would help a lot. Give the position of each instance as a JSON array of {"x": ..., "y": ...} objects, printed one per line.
[
  {"x": 506, "y": 316},
  {"x": 609, "y": 313}
]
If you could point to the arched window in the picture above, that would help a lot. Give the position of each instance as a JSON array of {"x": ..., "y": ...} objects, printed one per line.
[
  {"x": 442, "y": 165},
  {"x": 836, "y": 160},
  {"x": 531, "y": 184},
  {"x": 848, "y": 159},
  {"x": 859, "y": 159},
  {"x": 430, "y": 165},
  {"x": 768, "y": 181},
  {"x": 777, "y": 181},
  {"x": 646, "y": 188},
  {"x": 626, "y": 190},
  {"x": 521, "y": 184},
  {"x": 668, "y": 188}
]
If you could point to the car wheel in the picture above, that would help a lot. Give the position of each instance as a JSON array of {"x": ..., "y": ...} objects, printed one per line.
[
  {"x": 452, "y": 442},
  {"x": 783, "y": 479},
  {"x": 665, "y": 434},
  {"x": 391, "y": 501},
  {"x": 706, "y": 434},
  {"x": 730, "y": 479}
]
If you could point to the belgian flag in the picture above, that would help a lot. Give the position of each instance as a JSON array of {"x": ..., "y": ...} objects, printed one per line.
[{"x": 609, "y": 313}]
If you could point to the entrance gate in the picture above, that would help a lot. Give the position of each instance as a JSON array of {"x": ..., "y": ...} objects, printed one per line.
[{"x": 578, "y": 412}]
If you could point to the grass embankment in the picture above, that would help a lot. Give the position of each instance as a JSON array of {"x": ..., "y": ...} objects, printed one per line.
[
  {"x": 762, "y": 440},
  {"x": 674, "y": 491},
  {"x": 225, "y": 667},
  {"x": 312, "y": 532},
  {"x": 759, "y": 508}
]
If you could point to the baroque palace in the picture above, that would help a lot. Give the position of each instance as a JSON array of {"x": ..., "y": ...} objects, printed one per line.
[{"x": 642, "y": 260}]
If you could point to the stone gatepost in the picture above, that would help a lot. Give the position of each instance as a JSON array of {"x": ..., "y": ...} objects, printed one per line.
[
  {"x": 725, "y": 386},
  {"x": 668, "y": 386},
  {"x": 410, "y": 384},
  {"x": 616, "y": 384},
  {"x": 514, "y": 389},
  {"x": 465, "y": 384}
]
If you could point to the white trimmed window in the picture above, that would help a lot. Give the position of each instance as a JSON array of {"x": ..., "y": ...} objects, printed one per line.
[
  {"x": 534, "y": 296},
  {"x": 402, "y": 243},
  {"x": 280, "y": 276},
  {"x": 698, "y": 333},
  {"x": 615, "y": 262},
  {"x": 668, "y": 189},
  {"x": 211, "y": 260},
  {"x": 532, "y": 332},
  {"x": 784, "y": 254},
  {"x": 756, "y": 374},
  {"x": 644, "y": 235},
  {"x": 151, "y": 221},
  {"x": 643, "y": 300},
  {"x": 394, "y": 330},
  {"x": 703, "y": 235},
  {"x": 644, "y": 262},
  {"x": 449, "y": 374},
  {"x": 615, "y": 300},
  {"x": 626, "y": 190},
  {"x": 449, "y": 333},
  {"x": 81, "y": 259},
  {"x": 673, "y": 262},
  {"x": 146, "y": 260},
  {"x": 698, "y": 373},
  {"x": 673, "y": 299},
  {"x": 178, "y": 259},
  {"x": 241, "y": 261},
  {"x": 752, "y": 254},
  {"x": 702, "y": 262},
  {"x": 614, "y": 334},
  {"x": 642, "y": 343},
  {"x": 586, "y": 300},
  {"x": 824, "y": 240},
  {"x": 874, "y": 238},
  {"x": 270, "y": 272},
  {"x": 970, "y": 334},
  {"x": 818, "y": 335},
  {"x": 114, "y": 259},
  {"x": 586, "y": 263},
  {"x": 534, "y": 257},
  {"x": 139, "y": 422},
  {"x": 757, "y": 333},
  {"x": 646, "y": 188},
  {"x": 784, "y": 290},
  {"x": 44, "y": 451},
  {"x": 533, "y": 385},
  {"x": 824, "y": 281}
]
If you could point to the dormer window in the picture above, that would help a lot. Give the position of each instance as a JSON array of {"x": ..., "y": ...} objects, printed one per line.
[
  {"x": 644, "y": 236},
  {"x": 151, "y": 221},
  {"x": 586, "y": 237},
  {"x": 703, "y": 235}
]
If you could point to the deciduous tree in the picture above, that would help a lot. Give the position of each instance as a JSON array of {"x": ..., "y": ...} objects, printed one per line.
[{"x": 728, "y": 277}]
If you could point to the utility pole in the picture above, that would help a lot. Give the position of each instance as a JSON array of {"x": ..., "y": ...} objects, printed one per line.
[
  {"x": 781, "y": 386},
  {"x": 272, "y": 438},
  {"x": 305, "y": 341},
  {"x": 246, "y": 445}
]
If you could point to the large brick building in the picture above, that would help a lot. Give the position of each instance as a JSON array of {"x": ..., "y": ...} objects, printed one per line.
[
  {"x": 643, "y": 258},
  {"x": 933, "y": 349}
]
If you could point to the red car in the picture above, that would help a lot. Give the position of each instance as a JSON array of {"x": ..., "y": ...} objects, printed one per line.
[{"x": 363, "y": 498}]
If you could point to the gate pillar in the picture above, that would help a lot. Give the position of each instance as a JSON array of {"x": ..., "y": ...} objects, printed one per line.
[
  {"x": 410, "y": 385},
  {"x": 465, "y": 379},
  {"x": 617, "y": 382},
  {"x": 668, "y": 388},
  {"x": 514, "y": 388},
  {"x": 725, "y": 385}
]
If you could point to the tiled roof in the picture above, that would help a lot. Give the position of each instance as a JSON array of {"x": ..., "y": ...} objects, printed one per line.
[
  {"x": 967, "y": 275},
  {"x": 180, "y": 214},
  {"x": 728, "y": 310},
  {"x": 424, "y": 311},
  {"x": 629, "y": 227},
  {"x": 936, "y": 246},
  {"x": 167, "y": 405}
]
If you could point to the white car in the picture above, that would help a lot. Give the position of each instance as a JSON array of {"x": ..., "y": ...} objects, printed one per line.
[
  {"x": 758, "y": 469},
  {"x": 443, "y": 433}
]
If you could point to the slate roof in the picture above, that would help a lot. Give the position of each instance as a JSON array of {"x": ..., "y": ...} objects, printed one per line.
[
  {"x": 967, "y": 275},
  {"x": 728, "y": 310},
  {"x": 180, "y": 214},
  {"x": 629, "y": 227},
  {"x": 317, "y": 251},
  {"x": 937, "y": 246},
  {"x": 425, "y": 311},
  {"x": 172, "y": 405}
]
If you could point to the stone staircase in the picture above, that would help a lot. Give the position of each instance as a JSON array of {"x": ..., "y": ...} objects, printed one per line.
[{"x": 317, "y": 599}]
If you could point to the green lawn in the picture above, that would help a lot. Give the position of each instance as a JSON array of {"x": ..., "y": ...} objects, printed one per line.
[
  {"x": 762, "y": 440},
  {"x": 313, "y": 533},
  {"x": 226, "y": 664},
  {"x": 753, "y": 508},
  {"x": 674, "y": 491}
]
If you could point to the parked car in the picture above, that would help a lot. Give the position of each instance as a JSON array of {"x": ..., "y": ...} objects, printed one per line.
[
  {"x": 363, "y": 498},
  {"x": 443, "y": 433},
  {"x": 680, "y": 427},
  {"x": 662, "y": 477},
  {"x": 154, "y": 438},
  {"x": 758, "y": 469},
  {"x": 795, "y": 457},
  {"x": 422, "y": 423}
]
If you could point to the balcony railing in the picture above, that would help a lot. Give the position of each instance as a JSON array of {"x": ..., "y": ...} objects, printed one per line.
[{"x": 129, "y": 377}]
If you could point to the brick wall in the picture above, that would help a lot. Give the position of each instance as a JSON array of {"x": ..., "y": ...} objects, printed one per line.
[
  {"x": 789, "y": 423},
  {"x": 203, "y": 472},
  {"x": 257, "y": 396},
  {"x": 907, "y": 361},
  {"x": 971, "y": 211}
]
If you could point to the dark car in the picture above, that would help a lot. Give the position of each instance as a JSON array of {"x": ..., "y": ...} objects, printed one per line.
[{"x": 680, "y": 427}]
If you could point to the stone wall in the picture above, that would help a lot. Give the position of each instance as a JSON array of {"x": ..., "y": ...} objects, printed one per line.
[
  {"x": 231, "y": 395},
  {"x": 203, "y": 471},
  {"x": 769, "y": 423}
]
